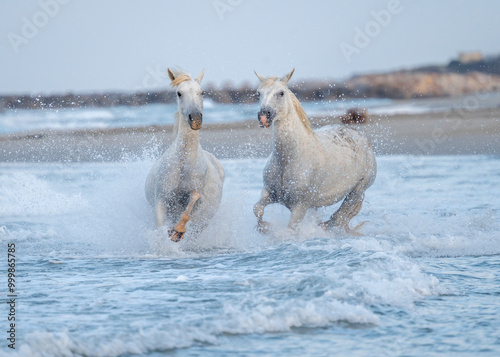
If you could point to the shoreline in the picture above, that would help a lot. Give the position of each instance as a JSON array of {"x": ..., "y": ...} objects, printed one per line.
[{"x": 458, "y": 132}]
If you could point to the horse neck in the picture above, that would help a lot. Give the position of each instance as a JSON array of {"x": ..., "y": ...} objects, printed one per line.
[
  {"x": 291, "y": 138},
  {"x": 187, "y": 141}
]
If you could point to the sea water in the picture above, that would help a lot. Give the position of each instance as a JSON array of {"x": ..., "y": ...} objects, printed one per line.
[
  {"x": 95, "y": 278},
  {"x": 22, "y": 120}
]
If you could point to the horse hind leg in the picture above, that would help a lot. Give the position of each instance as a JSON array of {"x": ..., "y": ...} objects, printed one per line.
[
  {"x": 347, "y": 211},
  {"x": 298, "y": 213}
]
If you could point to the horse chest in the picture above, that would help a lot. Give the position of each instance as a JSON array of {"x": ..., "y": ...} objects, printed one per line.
[
  {"x": 181, "y": 178},
  {"x": 288, "y": 184}
]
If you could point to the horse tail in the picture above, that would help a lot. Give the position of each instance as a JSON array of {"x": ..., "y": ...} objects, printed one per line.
[{"x": 176, "y": 124}]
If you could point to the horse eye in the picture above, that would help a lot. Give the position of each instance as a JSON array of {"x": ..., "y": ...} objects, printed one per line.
[
  {"x": 282, "y": 94},
  {"x": 179, "y": 94}
]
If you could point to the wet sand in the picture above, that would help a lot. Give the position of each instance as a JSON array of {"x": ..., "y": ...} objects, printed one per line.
[{"x": 449, "y": 133}]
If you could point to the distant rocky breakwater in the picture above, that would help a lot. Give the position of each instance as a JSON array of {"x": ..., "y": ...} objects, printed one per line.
[{"x": 407, "y": 85}]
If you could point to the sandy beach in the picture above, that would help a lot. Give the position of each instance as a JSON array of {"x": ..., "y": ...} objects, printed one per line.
[{"x": 440, "y": 133}]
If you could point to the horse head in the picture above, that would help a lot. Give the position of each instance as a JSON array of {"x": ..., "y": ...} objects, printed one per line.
[
  {"x": 189, "y": 96},
  {"x": 274, "y": 98}
]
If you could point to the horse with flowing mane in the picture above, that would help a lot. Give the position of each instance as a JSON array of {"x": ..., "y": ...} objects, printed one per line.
[
  {"x": 307, "y": 168},
  {"x": 185, "y": 184}
]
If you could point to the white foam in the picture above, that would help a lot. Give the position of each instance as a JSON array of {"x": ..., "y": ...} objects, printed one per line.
[
  {"x": 112, "y": 212},
  {"x": 23, "y": 194},
  {"x": 385, "y": 278},
  {"x": 42, "y": 344},
  {"x": 273, "y": 316}
]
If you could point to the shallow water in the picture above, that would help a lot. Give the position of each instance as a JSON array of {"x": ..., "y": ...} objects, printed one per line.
[{"x": 95, "y": 278}]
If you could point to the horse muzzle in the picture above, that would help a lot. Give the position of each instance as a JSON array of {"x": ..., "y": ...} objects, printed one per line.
[
  {"x": 195, "y": 120},
  {"x": 265, "y": 117}
]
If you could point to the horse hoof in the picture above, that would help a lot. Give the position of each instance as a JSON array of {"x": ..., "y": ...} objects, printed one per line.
[
  {"x": 263, "y": 228},
  {"x": 175, "y": 236}
]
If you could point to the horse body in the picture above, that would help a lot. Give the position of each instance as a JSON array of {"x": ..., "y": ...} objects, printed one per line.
[
  {"x": 315, "y": 172},
  {"x": 186, "y": 182},
  {"x": 311, "y": 169}
]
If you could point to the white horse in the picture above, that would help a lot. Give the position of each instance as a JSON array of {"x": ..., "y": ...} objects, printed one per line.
[
  {"x": 186, "y": 182},
  {"x": 307, "y": 168}
]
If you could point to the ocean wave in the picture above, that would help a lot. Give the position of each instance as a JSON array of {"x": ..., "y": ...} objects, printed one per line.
[
  {"x": 262, "y": 318},
  {"x": 63, "y": 344}
]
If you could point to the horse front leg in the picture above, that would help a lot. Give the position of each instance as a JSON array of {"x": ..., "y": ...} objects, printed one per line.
[
  {"x": 160, "y": 212},
  {"x": 179, "y": 230},
  {"x": 258, "y": 210}
]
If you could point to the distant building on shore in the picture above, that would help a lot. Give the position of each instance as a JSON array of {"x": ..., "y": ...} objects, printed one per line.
[{"x": 470, "y": 57}]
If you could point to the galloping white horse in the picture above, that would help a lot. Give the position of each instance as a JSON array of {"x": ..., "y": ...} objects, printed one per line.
[
  {"x": 310, "y": 169},
  {"x": 186, "y": 182}
]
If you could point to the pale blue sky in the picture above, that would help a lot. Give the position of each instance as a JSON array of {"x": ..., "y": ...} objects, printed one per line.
[{"x": 124, "y": 45}]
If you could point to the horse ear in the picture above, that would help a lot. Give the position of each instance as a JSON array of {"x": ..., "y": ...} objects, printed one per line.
[
  {"x": 171, "y": 75},
  {"x": 200, "y": 76},
  {"x": 261, "y": 78},
  {"x": 286, "y": 78}
]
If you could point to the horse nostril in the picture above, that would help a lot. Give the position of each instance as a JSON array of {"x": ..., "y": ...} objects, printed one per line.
[
  {"x": 190, "y": 118},
  {"x": 268, "y": 113}
]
